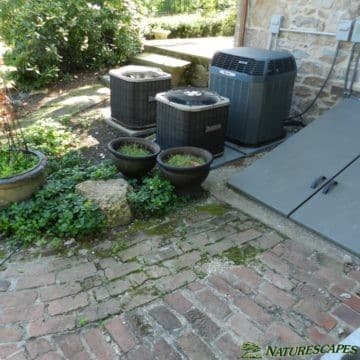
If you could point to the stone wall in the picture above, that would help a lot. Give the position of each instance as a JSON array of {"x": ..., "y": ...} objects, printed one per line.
[{"x": 313, "y": 53}]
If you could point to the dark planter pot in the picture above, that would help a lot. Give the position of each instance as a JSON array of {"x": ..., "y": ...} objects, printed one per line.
[
  {"x": 133, "y": 166},
  {"x": 185, "y": 177},
  {"x": 22, "y": 186}
]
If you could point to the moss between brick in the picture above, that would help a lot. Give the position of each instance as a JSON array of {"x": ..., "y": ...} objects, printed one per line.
[
  {"x": 241, "y": 255},
  {"x": 213, "y": 209}
]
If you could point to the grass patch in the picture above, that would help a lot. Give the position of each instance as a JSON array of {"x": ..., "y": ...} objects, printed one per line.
[
  {"x": 241, "y": 255},
  {"x": 185, "y": 160},
  {"x": 133, "y": 150}
]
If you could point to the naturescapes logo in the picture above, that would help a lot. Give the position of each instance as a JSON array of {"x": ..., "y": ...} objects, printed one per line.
[{"x": 253, "y": 351}]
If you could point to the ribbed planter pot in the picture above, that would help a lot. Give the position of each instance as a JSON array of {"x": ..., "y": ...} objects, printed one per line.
[
  {"x": 185, "y": 177},
  {"x": 161, "y": 34},
  {"x": 133, "y": 166},
  {"x": 21, "y": 186}
]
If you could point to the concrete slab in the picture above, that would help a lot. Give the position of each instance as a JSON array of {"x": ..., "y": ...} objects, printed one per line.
[{"x": 199, "y": 47}]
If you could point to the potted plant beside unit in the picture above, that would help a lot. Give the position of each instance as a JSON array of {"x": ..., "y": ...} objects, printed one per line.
[
  {"x": 185, "y": 167},
  {"x": 22, "y": 170},
  {"x": 134, "y": 157}
]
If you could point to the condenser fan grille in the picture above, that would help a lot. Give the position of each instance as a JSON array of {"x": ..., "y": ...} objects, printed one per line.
[{"x": 239, "y": 64}]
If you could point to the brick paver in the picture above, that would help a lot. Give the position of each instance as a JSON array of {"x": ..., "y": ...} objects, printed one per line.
[{"x": 174, "y": 296}]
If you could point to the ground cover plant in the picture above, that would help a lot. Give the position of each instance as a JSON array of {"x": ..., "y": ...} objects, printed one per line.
[
  {"x": 14, "y": 165},
  {"x": 56, "y": 212}
]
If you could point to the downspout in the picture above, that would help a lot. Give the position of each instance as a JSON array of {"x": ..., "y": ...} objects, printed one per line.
[{"x": 240, "y": 28}]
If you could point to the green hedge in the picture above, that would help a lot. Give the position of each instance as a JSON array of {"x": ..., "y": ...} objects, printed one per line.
[
  {"x": 49, "y": 39},
  {"x": 195, "y": 25}
]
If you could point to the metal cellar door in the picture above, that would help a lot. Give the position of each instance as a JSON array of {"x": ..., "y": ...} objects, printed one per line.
[
  {"x": 334, "y": 211},
  {"x": 297, "y": 169}
]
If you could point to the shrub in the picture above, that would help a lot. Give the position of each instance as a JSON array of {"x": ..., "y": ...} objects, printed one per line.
[
  {"x": 195, "y": 25},
  {"x": 56, "y": 211},
  {"x": 49, "y": 39},
  {"x": 152, "y": 195}
]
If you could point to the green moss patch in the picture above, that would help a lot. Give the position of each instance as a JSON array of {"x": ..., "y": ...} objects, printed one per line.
[
  {"x": 241, "y": 255},
  {"x": 213, "y": 209}
]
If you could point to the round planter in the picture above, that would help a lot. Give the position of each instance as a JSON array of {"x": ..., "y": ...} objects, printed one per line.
[
  {"x": 185, "y": 177},
  {"x": 133, "y": 166},
  {"x": 22, "y": 186},
  {"x": 161, "y": 34}
]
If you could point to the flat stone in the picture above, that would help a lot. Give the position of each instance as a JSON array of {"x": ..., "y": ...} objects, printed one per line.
[
  {"x": 203, "y": 324},
  {"x": 194, "y": 347},
  {"x": 110, "y": 196}
]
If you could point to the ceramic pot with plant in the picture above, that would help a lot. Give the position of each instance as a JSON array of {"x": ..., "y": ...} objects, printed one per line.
[
  {"x": 185, "y": 167},
  {"x": 22, "y": 170},
  {"x": 160, "y": 34},
  {"x": 134, "y": 157}
]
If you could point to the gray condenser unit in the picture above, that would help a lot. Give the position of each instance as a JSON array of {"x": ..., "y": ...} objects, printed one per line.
[{"x": 259, "y": 84}]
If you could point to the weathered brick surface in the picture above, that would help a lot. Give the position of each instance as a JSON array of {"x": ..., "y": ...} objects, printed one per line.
[
  {"x": 347, "y": 315},
  {"x": 53, "y": 325},
  {"x": 213, "y": 304},
  {"x": 38, "y": 347},
  {"x": 277, "y": 296},
  {"x": 28, "y": 282},
  {"x": 194, "y": 348},
  {"x": 290, "y": 294},
  {"x": 18, "y": 299},
  {"x": 176, "y": 281},
  {"x": 30, "y": 313},
  {"x": 118, "y": 270},
  {"x": 58, "y": 291},
  {"x": 228, "y": 347},
  {"x": 70, "y": 345},
  {"x": 178, "y": 302},
  {"x": 118, "y": 287},
  {"x": 315, "y": 314},
  {"x": 284, "y": 335},
  {"x": 96, "y": 342},
  {"x": 77, "y": 273},
  {"x": 9, "y": 351},
  {"x": 121, "y": 334},
  {"x": 319, "y": 337},
  {"x": 205, "y": 327},
  {"x": 10, "y": 334},
  {"x": 252, "y": 310},
  {"x": 245, "y": 329},
  {"x": 163, "y": 351},
  {"x": 64, "y": 305},
  {"x": 165, "y": 318}
]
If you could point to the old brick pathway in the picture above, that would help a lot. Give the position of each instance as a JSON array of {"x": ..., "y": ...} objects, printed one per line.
[{"x": 165, "y": 291}]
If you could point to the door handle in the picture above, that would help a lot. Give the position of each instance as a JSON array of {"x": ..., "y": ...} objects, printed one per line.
[
  {"x": 329, "y": 186},
  {"x": 318, "y": 181}
]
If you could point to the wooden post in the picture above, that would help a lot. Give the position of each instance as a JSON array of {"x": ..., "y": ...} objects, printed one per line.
[{"x": 240, "y": 28}]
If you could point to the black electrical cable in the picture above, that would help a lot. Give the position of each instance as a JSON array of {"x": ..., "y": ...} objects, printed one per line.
[
  {"x": 346, "y": 92},
  {"x": 354, "y": 73},
  {"x": 290, "y": 120}
]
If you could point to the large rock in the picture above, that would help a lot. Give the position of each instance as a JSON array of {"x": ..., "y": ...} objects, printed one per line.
[{"x": 110, "y": 196}]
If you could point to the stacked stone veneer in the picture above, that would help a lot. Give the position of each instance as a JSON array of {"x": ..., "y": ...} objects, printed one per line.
[{"x": 313, "y": 53}]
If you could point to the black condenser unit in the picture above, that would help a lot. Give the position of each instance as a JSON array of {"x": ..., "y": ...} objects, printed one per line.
[
  {"x": 132, "y": 95},
  {"x": 259, "y": 84},
  {"x": 191, "y": 117}
]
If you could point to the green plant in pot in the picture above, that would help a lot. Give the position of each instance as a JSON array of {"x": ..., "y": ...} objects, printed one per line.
[
  {"x": 134, "y": 157},
  {"x": 22, "y": 170},
  {"x": 185, "y": 167}
]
